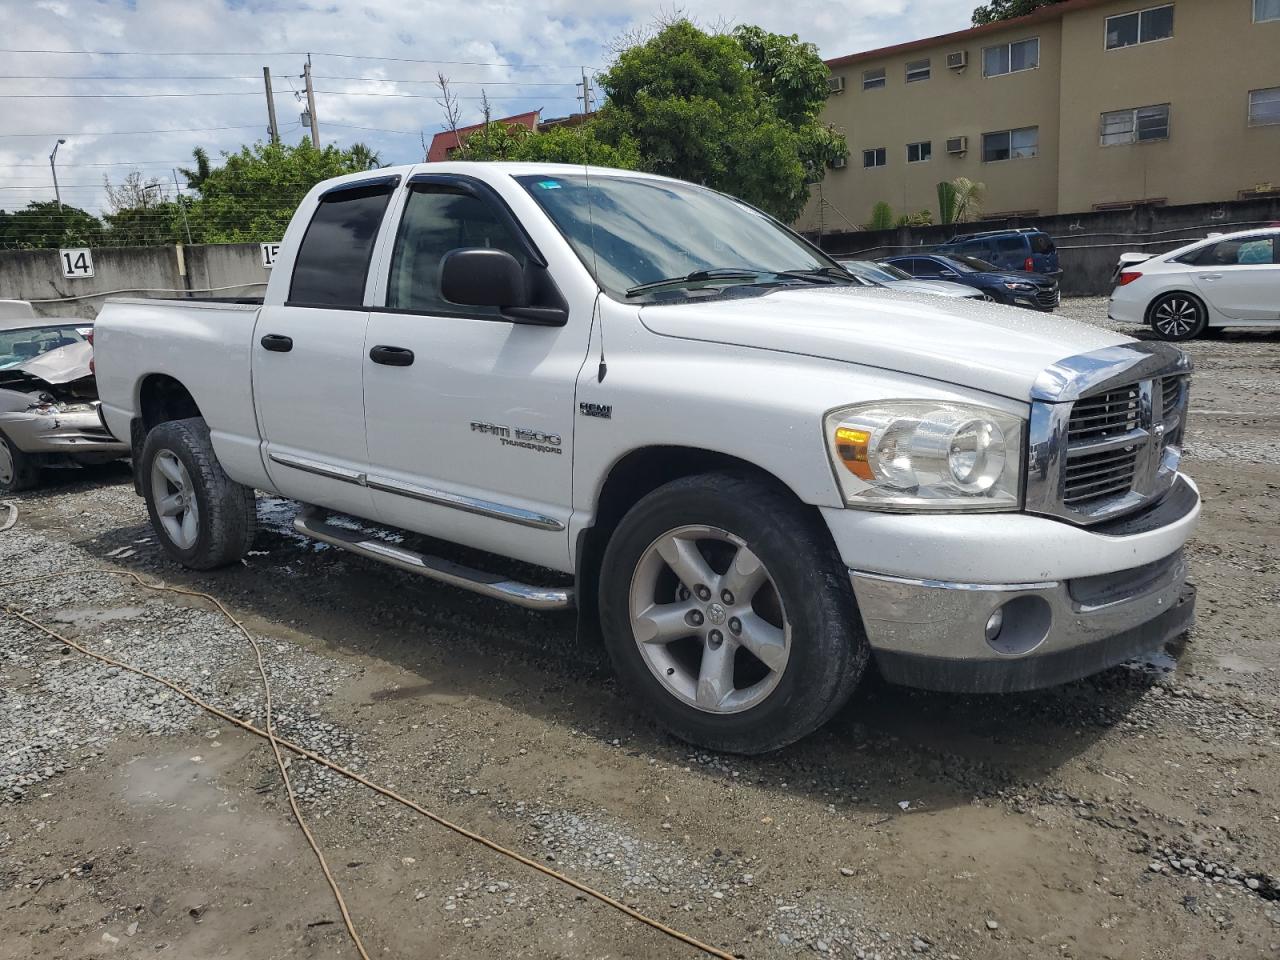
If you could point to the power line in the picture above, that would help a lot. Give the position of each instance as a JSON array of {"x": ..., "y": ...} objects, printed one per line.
[
  {"x": 130, "y": 133},
  {"x": 318, "y": 76},
  {"x": 301, "y": 53},
  {"x": 243, "y": 93}
]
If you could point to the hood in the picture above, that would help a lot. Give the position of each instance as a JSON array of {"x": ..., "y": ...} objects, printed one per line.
[
  {"x": 54, "y": 366},
  {"x": 944, "y": 287},
  {"x": 971, "y": 343}
]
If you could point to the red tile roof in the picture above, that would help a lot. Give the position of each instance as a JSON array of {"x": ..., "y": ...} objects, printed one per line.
[
  {"x": 1053, "y": 11},
  {"x": 447, "y": 140}
]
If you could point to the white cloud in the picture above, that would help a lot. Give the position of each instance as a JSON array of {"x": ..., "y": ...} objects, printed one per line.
[{"x": 557, "y": 37}]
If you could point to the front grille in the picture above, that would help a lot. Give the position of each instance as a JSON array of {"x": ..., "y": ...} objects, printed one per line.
[
  {"x": 1047, "y": 296},
  {"x": 1096, "y": 476},
  {"x": 1103, "y": 416}
]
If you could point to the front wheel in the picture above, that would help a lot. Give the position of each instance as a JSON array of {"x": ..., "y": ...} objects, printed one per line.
[
  {"x": 18, "y": 471},
  {"x": 203, "y": 518},
  {"x": 1178, "y": 316},
  {"x": 729, "y": 614}
]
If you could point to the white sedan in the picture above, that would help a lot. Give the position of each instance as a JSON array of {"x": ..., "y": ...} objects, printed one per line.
[{"x": 1228, "y": 280}]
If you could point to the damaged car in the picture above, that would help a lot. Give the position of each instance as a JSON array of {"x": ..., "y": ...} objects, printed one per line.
[{"x": 48, "y": 400}]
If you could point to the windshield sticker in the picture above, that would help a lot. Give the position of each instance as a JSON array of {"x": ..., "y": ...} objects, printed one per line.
[{"x": 549, "y": 184}]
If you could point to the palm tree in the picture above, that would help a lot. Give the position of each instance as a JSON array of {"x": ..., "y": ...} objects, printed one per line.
[
  {"x": 960, "y": 200},
  {"x": 363, "y": 157}
]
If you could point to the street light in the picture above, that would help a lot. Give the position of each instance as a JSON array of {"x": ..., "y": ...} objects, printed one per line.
[{"x": 52, "y": 157}]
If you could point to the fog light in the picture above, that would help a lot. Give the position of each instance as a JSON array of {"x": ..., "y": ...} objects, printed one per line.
[{"x": 994, "y": 623}]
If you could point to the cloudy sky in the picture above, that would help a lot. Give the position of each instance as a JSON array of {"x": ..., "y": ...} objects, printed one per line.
[{"x": 374, "y": 64}]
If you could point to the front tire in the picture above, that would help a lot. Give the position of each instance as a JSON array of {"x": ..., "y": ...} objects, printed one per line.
[
  {"x": 728, "y": 613},
  {"x": 1177, "y": 316},
  {"x": 18, "y": 471},
  {"x": 203, "y": 518}
]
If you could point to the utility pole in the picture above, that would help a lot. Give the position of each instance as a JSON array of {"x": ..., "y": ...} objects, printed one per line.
[
  {"x": 585, "y": 87},
  {"x": 57, "y": 194},
  {"x": 182, "y": 206},
  {"x": 311, "y": 104},
  {"x": 271, "y": 106}
]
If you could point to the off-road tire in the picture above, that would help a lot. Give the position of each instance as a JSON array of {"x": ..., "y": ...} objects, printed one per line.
[
  {"x": 829, "y": 649},
  {"x": 25, "y": 472},
  {"x": 227, "y": 511}
]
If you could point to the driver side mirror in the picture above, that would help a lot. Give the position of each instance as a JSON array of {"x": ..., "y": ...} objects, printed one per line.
[{"x": 483, "y": 277}]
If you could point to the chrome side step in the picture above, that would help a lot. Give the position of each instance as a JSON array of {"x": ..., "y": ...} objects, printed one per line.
[{"x": 310, "y": 522}]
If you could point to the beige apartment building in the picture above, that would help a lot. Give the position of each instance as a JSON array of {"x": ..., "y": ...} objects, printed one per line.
[{"x": 1082, "y": 105}]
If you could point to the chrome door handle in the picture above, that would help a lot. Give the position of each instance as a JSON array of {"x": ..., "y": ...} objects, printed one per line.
[{"x": 1210, "y": 276}]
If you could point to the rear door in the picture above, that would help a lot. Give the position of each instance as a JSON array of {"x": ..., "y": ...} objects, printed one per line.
[
  {"x": 1240, "y": 277},
  {"x": 308, "y": 355}
]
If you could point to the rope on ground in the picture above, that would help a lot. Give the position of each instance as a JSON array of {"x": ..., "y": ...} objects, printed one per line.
[
  {"x": 13, "y": 514},
  {"x": 277, "y": 742}
]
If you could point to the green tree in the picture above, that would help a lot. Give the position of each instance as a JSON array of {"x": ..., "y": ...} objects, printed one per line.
[
  {"x": 998, "y": 10},
  {"x": 252, "y": 195},
  {"x": 881, "y": 217},
  {"x": 735, "y": 112},
  {"x": 48, "y": 225},
  {"x": 960, "y": 200}
]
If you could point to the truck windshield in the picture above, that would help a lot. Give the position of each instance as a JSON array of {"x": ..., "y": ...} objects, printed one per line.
[{"x": 637, "y": 231}]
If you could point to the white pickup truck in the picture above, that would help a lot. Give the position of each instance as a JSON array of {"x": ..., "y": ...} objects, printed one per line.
[{"x": 757, "y": 474}]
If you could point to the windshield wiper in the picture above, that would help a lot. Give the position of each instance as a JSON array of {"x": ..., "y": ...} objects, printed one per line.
[
  {"x": 697, "y": 276},
  {"x": 820, "y": 275}
]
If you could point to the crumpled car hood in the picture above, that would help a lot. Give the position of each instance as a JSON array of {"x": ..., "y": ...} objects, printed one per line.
[
  {"x": 63, "y": 373},
  {"x": 970, "y": 343}
]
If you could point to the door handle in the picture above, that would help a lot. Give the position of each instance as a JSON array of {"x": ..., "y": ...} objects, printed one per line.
[
  {"x": 1210, "y": 276},
  {"x": 277, "y": 343},
  {"x": 391, "y": 356}
]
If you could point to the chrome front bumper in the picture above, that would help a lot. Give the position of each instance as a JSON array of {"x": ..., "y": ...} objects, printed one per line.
[
  {"x": 60, "y": 433},
  {"x": 934, "y": 634}
]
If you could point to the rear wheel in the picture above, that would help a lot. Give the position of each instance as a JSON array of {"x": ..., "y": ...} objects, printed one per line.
[
  {"x": 203, "y": 518},
  {"x": 18, "y": 471},
  {"x": 728, "y": 613},
  {"x": 1178, "y": 316}
]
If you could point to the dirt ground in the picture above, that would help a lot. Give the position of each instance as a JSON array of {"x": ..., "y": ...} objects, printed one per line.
[{"x": 1133, "y": 815}]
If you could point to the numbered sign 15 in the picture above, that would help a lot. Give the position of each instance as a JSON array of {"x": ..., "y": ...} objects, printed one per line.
[
  {"x": 269, "y": 253},
  {"x": 76, "y": 263}
]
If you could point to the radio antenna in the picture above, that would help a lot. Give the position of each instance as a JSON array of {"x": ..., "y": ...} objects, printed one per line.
[{"x": 603, "y": 367}]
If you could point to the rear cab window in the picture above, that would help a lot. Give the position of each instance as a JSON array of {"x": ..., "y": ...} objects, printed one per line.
[
  {"x": 333, "y": 259},
  {"x": 1042, "y": 243}
]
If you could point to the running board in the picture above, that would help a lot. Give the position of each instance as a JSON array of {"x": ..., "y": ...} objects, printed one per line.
[{"x": 310, "y": 523}]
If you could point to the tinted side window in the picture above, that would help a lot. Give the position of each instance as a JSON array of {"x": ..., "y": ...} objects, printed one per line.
[
  {"x": 438, "y": 219},
  {"x": 333, "y": 259},
  {"x": 1011, "y": 246},
  {"x": 1240, "y": 252},
  {"x": 925, "y": 268}
]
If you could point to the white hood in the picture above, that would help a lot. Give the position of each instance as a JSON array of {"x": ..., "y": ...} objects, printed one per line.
[{"x": 971, "y": 343}]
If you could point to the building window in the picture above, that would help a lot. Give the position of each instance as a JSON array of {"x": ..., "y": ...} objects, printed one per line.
[
  {"x": 917, "y": 70},
  {"x": 919, "y": 152},
  {"x": 1264, "y": 106},
  {"x": 875, "y": 157},
  {"x": 873, "y": 79},
  {"x": 1265, "y": 11},
  {"x": 1141, "y": 26},
  {"x": 1017, "y": 144},
  {"x": 1135, "y": 126},
  {"x": 1011, "y": 57}
]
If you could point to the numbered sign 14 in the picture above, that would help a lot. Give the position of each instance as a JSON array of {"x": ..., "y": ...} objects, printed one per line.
[{"x": 76, "y": 263}]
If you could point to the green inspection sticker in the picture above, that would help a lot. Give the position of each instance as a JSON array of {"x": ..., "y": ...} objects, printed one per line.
[{"x": 549, "y": 184}]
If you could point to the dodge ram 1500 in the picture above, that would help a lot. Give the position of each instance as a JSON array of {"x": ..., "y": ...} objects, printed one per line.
[{"x": 759, "y": 475}]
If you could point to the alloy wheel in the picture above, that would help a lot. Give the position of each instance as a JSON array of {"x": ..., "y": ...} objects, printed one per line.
[
  {"x": 708, "y": 620},
  {"x": 175, "y": 499},
  {"x": 1176, "y": 316}
]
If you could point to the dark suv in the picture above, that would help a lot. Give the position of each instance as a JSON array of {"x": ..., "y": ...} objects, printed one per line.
[{"x": 1025, "y": 248}]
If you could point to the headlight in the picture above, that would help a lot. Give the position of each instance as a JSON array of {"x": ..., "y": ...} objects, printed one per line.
[
  {"x": 1019, "y": 285},
  {"x": 923, "y": 455}
]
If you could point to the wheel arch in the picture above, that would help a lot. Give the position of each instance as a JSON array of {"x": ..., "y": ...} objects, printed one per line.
[
  {"x": 1176, "y": 291},
  {"x": 160, "y": 398},
  {"x": 631, "y": 477}
]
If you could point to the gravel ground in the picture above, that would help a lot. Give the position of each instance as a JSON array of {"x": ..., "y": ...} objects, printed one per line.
[{"x": 1132, "y": 815}]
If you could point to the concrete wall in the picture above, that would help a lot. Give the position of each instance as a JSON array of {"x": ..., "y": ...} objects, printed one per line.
[
  {"x": 212, "y": 270},
  {"x": 1089, "y": 244}
]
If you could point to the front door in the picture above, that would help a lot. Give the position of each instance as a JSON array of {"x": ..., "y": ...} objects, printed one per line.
[
  {"x": 307, "y": 357},
  {"x": 1240, "y": 277},
  {"x": 469, "y": 416}
]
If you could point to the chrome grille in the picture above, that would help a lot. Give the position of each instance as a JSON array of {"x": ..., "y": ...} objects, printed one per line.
[{"x": 1106, "y": 432}]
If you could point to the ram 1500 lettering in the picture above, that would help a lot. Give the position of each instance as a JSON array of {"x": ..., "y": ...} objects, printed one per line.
[{"x": 758, "y": 474}]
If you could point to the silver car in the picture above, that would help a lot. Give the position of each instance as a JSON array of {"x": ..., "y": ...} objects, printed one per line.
[
  {"x": 896, "y": 279},
  {"x": 48, "y": 399}
]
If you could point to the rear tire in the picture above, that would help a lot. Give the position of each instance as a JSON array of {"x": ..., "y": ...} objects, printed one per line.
[
  {"x": 1177, "y": 316},
  {"x": 202, "y": 517},
  {"x": 765, "y": 644},
  {"x": 18, "y": 471}
]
